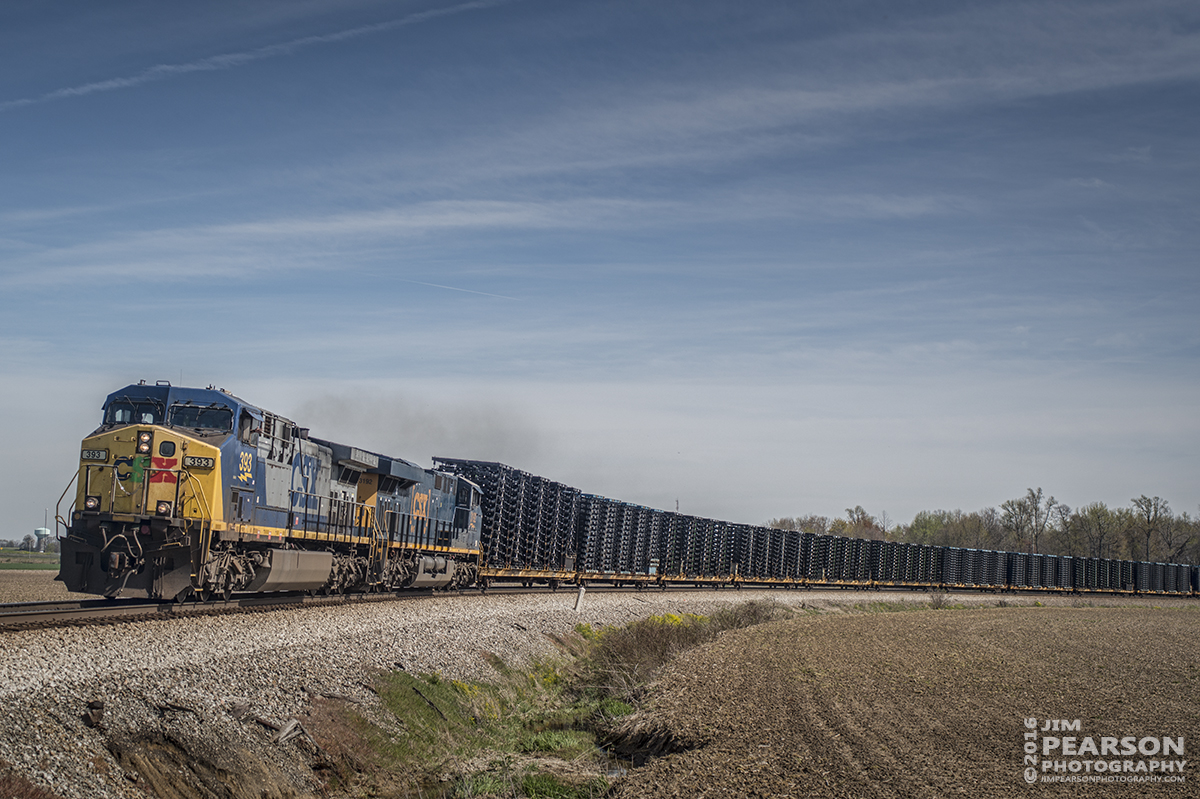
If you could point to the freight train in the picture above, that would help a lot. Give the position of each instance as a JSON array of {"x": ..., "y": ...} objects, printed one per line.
[{"x": 185, "y": 492}]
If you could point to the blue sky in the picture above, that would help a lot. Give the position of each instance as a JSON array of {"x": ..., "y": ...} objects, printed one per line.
[{"x": 764, "y": 259}]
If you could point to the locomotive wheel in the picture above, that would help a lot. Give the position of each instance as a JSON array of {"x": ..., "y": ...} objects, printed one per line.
[
  {"x": 182, "y": 596},
  {"x": 227, "y": 591},
  {"x": 204, "y": 595}
]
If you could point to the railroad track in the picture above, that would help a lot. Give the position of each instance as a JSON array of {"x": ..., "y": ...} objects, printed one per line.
[
  {"x": 41, "y": 615},
  {"x": 45, "y": 615}
]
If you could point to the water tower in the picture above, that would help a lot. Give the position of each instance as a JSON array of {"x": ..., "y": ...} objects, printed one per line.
[{"x": 42, "y": 534}]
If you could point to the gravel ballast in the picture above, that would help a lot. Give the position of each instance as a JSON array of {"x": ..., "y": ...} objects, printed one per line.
[{"x": 210, "y": 678}]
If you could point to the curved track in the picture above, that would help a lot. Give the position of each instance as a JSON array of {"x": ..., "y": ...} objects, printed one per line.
[
  {"x": 37, "y": 615},
  {"x": 45, "y": 615}
]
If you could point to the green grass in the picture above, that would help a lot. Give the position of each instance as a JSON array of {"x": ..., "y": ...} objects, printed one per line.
[
  {"x": 442, "y": 725},
  {"x": 530, "y": 732},
  {"x": 567, "y": 744},
  {"x": 20, "y": 559},
  {"x": 438, "y": 722},
  {"x": 534, "y": 786},
  {"x": 547, "y": 786},
  {"x": 18, "y": 566}
]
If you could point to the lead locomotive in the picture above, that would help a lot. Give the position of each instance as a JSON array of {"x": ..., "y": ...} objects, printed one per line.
[{"x": 185, "y": 491}]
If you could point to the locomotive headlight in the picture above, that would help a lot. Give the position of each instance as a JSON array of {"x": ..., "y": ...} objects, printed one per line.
[
  {"x": 91, "y": 503},
  {"x": 163, "y": 508},
  {"x": 145, "y": 442}
]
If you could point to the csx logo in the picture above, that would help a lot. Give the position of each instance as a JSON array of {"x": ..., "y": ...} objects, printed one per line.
[
  {"x": 161, "y": 469},
  {"x": 420, "y": 505}
]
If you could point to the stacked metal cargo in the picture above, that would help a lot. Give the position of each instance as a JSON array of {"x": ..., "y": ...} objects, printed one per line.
[
  {"x": 528, "y": 521},
  {"x": 540, "y": 528}
]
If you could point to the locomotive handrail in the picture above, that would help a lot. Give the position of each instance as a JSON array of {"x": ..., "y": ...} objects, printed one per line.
[
  {"x": 342, "y": 519},
  {"x": 58, "y": 519},
  {"x": 377, "y": 554},
  {"x": 200, "y": 556},
  {"x": 197, "y": 492}
]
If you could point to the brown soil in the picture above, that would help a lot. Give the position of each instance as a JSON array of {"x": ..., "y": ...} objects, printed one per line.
[
  {"x": 916, "y": 704},
  {"x": 172, "y": 766},
  {"x": 34, "y": 585}
]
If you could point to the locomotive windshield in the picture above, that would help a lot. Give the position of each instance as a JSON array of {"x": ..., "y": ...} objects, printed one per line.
[
  {"x": 133, "y": 412},
  {"x": 212, "y": 417}
]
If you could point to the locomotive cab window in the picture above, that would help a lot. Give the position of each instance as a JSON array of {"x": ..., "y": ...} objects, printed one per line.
[
  {"x": 247, "y": 432},
  {"x": 126, "y": 412},
  {"x": 196, "y": 417}
]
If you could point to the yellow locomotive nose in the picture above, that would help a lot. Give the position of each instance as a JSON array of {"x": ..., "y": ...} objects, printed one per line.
[{"x": 147, "y": 472}]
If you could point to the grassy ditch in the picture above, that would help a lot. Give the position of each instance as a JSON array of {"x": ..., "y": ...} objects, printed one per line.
[
  {"x": 531, "y": 732},
  {"x": 23, "y": 560}
]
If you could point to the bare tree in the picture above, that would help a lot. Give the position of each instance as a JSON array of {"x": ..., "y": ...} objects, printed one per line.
[
  {"x": 1014, "y": 515},
  {"x": 1040, "y": 514},
  {"x": 1177, "y": 533},
  {"x": 1193, "y": 553},
  {"x": 1028, "y": 517},
  {"x": 1066, "y": 531},
  {"x": 1098, "y": 524},
  {"x": 861, "y": 524},
  {"x": 1151, "y": 513}
]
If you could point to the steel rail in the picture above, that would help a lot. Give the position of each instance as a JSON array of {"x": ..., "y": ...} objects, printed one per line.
[
  {"x": 40, "y": 615},
  {"x": 45, "y": 615}
]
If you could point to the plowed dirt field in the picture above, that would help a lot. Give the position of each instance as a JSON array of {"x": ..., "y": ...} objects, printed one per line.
[{"x": 928, "y": 703}]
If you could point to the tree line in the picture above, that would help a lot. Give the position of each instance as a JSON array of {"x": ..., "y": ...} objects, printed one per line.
[
  {"x": 28, "y": 544},
  {"x": 1145, "y": 530}
]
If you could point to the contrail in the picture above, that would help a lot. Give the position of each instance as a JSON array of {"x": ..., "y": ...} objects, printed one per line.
[
  {"x": 455, "y": 288},
  {"x": 231, "y": 60}
]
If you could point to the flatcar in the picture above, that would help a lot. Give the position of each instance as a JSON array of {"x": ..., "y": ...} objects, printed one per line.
[
  {"x": 186, "y": 491},
  {"x": 534, "y": 528}
]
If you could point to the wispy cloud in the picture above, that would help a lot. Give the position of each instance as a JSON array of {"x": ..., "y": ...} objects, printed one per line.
[
  {"x": 1135, "y": 154},
  {"x": 818, "y": 95},
  {"x": 225, "y": 61},
  {"x": 301, "y": 242}
]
